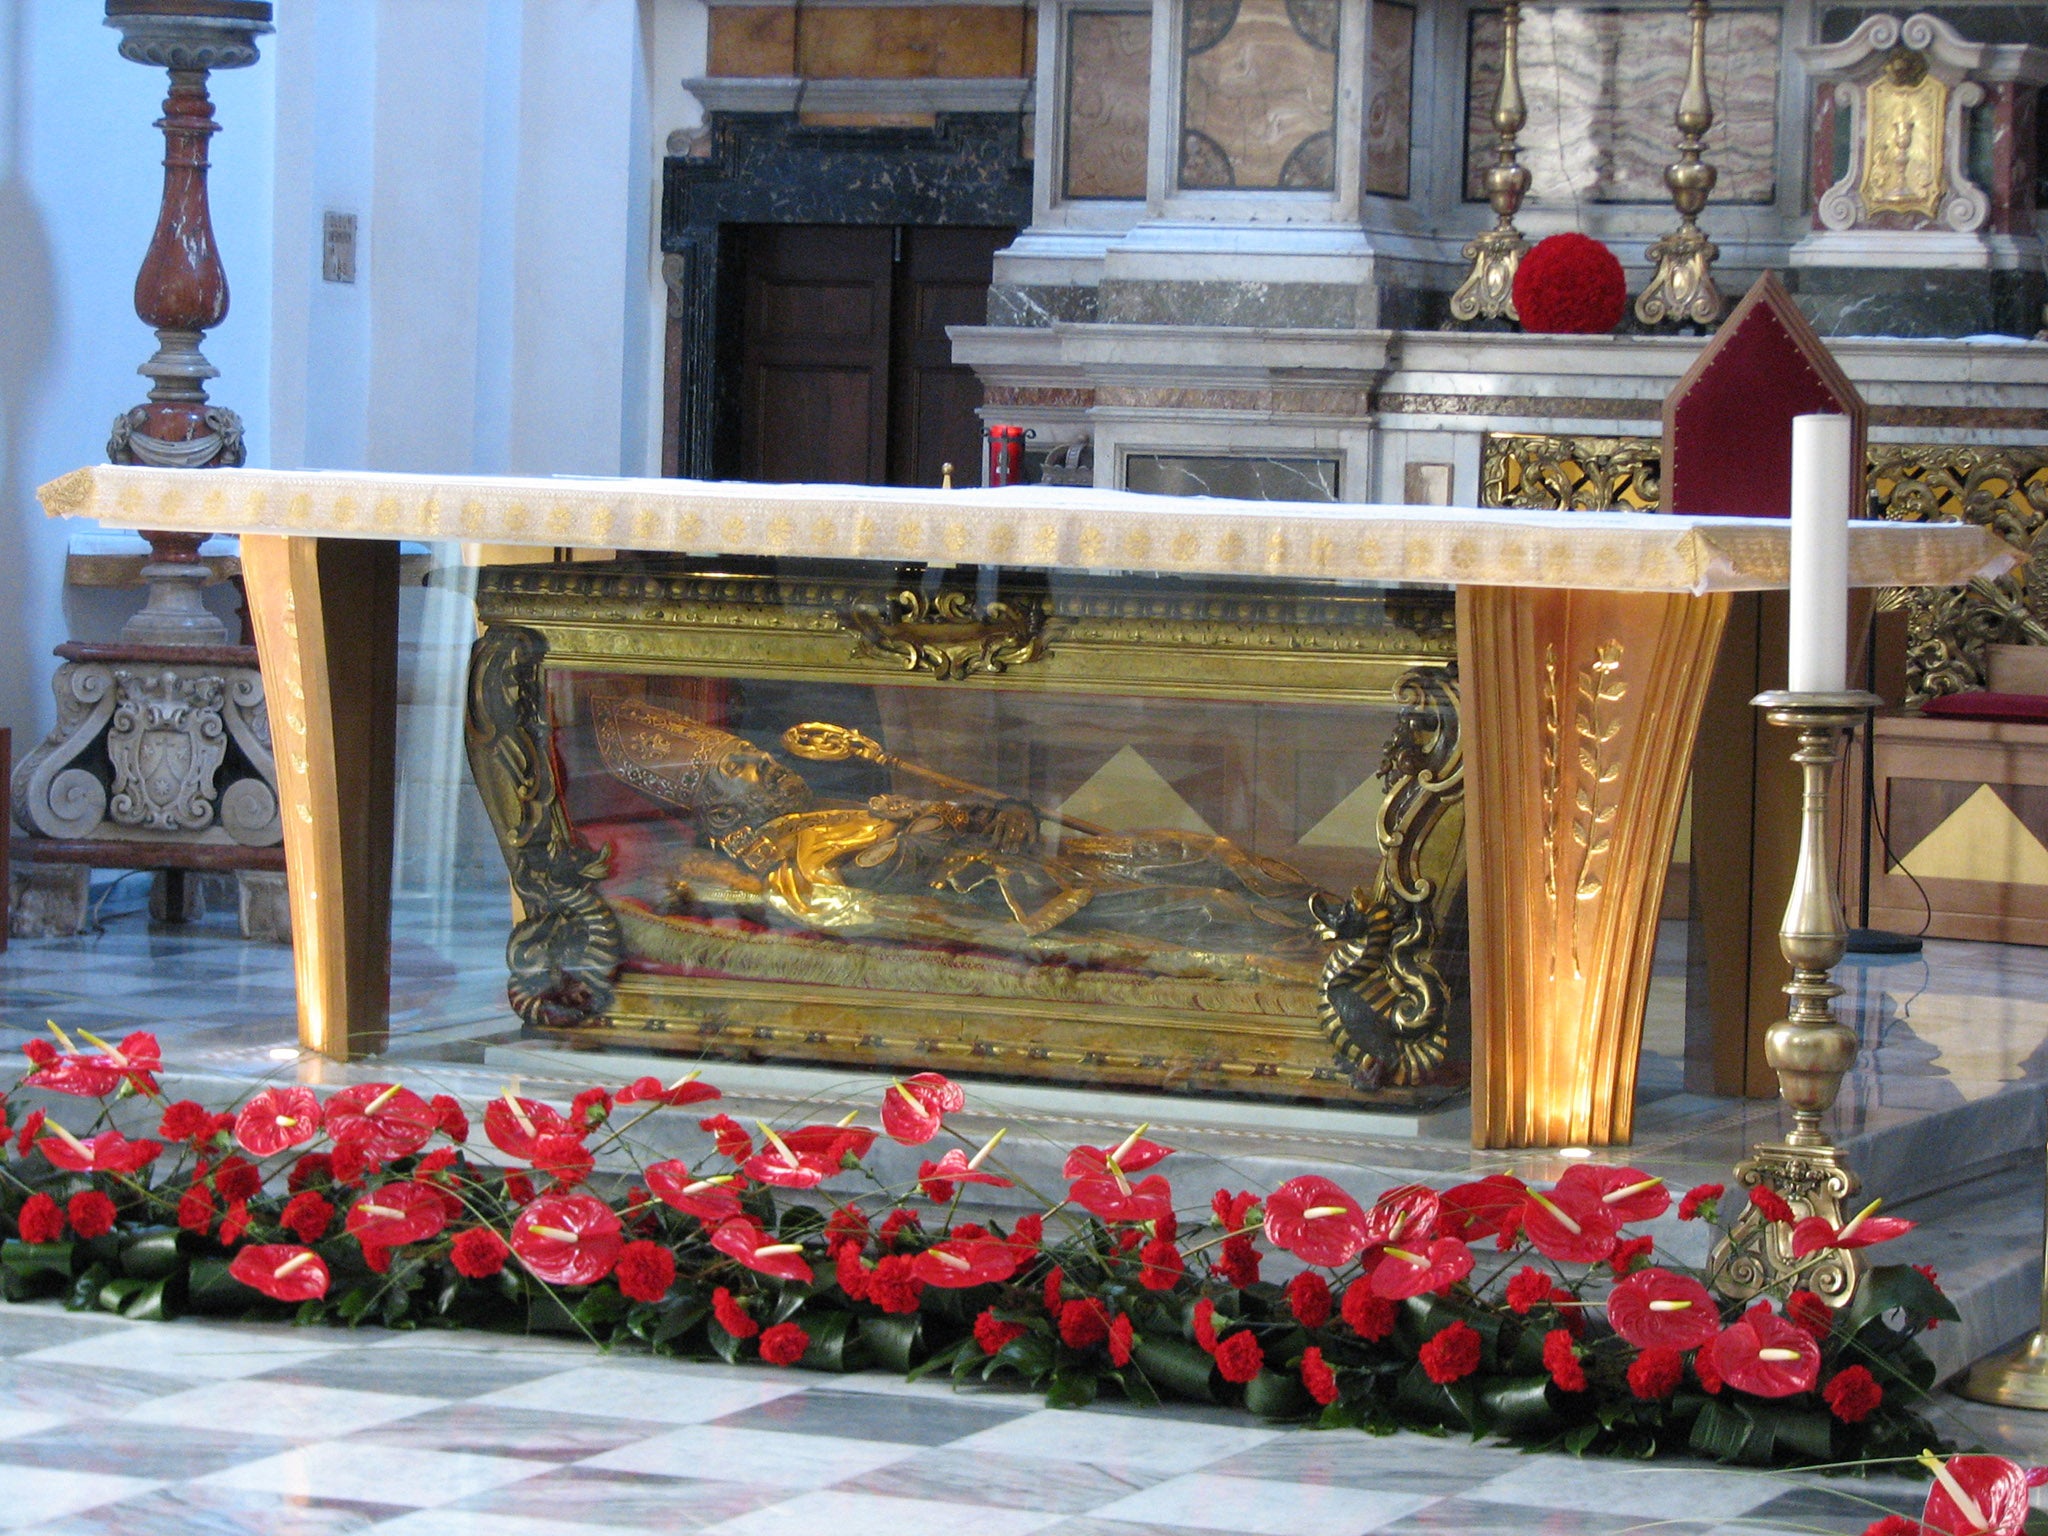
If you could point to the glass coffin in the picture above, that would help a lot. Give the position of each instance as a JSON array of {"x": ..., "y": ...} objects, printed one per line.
[{"x": 1138, "y": 831}]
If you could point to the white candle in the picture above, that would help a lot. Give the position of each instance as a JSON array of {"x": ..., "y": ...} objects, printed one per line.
[{"x": 1819, "y": 661}]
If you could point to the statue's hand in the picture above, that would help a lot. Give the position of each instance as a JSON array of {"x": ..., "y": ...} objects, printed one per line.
[{"x": 1014, "y": 827}]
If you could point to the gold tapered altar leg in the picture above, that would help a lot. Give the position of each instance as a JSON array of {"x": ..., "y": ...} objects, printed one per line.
[
  {"x": 326, "y": 613},
  {"x": 1581, "y": 709}
]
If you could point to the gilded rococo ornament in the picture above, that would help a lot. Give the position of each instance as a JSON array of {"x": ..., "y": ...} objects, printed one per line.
[{"x": 945, "y": 634}]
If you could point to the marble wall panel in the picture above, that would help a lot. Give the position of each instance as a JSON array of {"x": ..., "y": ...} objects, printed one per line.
[
  {"x": 1241, "y": 479},
  {"x": 752, "y": 41},
  {"x": 1390, "y": 109},
  {"x": 909, "y": 42},
  {"x": 1258, "y": 94},
  {"x": 1602, "y": 86},
  {"x": 1109, "y": 93}
]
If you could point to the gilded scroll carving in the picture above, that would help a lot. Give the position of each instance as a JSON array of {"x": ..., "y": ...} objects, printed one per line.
[
  {"x": 565, "y": 950},
  {"x": 946, "y": 634},
  {"x": 1385, "y": 1005},
  {"x": 1574, "y": 474}
]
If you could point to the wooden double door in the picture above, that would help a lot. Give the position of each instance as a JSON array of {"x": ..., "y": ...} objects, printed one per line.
[{"x": 846, "y": 373}]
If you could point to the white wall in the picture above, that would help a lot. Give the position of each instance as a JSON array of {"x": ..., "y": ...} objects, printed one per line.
[{"x": 502, "y": 158}]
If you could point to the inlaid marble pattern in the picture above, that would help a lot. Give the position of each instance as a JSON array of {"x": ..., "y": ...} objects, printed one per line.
[
  {"x": 1390, "y": 108},
  {"x": 1259, "y": 89},
  {"x": 1602, "y": 86},
  {"x": 1109, "y": 90}
]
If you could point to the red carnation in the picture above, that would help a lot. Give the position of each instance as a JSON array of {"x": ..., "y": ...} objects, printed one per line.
[
  {"x": 184, "y": 1121},
  {"x": 1369, "y": 1316},
  {"x": 1205, "y": 1325},
  {"x": 1699, "y": 1201},
  {"x": 234, "y": 1224},
  {"x": 1852, "y": 1395},
  {"x": 1628, "y": 1253},
  {"x": 40, "y": 1220},
  {"x": 478, "y": 1253},
  {"x": 1029, "y": 1231},
  {"x": 562, "y": 1157},
  {"x": 645, "y": 1271},
  {"x": 313, "y": 1168},
  {"x": 1770, "y": 1204},
  {"x": 1895, "y": 1525},
  {"x": 1162, "y": 1265},
  {"x": 30, "y": 1129},
  {"x": 306, "y": 1216},
  {"x": 851, "y": 1271},
  {"x": 518, "y": 1189},
  {"x": 1237, "y": 1263},
  {"x": 1656, "y": 1373},
  {"x": 1051, "y": 1291},
  {"x": 732, "y": 1317},
  {"x": 895, "y": 1285},
  {"x": 449, "y": 1118},
  {"x": 1562, "y": 1361},
  {"x": 590, "y": 1109},
  {"x": 90, "y": 1213},
  {"x": 1083, "y": 1323},
  {"x": 1806, "y": 1309},
  {"x": 1308, "y": 1298},
  {"x": 1239, "y": 1358},
  {"x": 1120, "y": 1340},
  {"x": 1703, "y": 1368},
  {"x": 784, "y": 1344},
  {"x": 195, "y": 1209},
  {"x": 1570, "y": 284},
  {"x": 895, "y": 1224},
  {"x": 992, "y": 1333},
  {"x": 1452, "y": 1355},
  {"x": 1317, "y": 1378},
  {"x": 1528, "y": 1290}
]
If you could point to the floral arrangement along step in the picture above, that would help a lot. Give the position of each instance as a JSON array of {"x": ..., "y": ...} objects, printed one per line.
[{"x": 1493, "y": 1307}]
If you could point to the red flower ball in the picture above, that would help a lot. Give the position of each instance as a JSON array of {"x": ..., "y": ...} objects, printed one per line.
[
  {"x": 1308, "y": 1298},
  {"x": 1562, "y": 1361},
  {"x": 784, "y": 1344},
  {"x": 992, "y": 1333},
  {"x": 1317, "y": 1378},
  {"x": 1656, "y": 1373},
  {"x": 40, "y": 1220},
  {"x": 1452, "y": 1355},
  {"x": 478, "y": 1253},
  {"x": 1239, "y": 1357},
  {"x": 1570, "y": 284},
  {"x": 1852, "y": 1395},
  {"x": 90, "y": 1213},
  {"x": 645, "y": 1271},
  {"x": 1366, "y": 1314}
]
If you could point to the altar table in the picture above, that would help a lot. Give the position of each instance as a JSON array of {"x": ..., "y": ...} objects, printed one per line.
[{"x": 1585, "y": 640}]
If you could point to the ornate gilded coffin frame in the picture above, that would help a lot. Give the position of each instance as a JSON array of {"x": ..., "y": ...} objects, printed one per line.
[
  {"x": 1385, "y": 1021},
  {"x": 1947, "y": 628}
]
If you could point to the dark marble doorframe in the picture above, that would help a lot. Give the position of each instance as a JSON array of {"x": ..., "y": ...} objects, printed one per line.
[{"x": 767, "y": 168}]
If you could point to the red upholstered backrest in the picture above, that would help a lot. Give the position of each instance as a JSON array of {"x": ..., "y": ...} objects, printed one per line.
[
  {"x": 2006, "y": 708},
  {"x": 1728, "y": 423}
]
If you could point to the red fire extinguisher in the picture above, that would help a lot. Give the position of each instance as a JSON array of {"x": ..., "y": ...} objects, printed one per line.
[{"x": 1005, "y": 455}]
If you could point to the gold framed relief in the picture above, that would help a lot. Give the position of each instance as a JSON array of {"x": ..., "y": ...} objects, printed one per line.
[{"x": 1167, "y": 834}]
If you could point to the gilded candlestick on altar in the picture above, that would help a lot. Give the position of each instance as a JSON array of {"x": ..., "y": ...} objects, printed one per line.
[
  {"x": 1682, "y": 286},
  {"x": 1488, "y": 292}
]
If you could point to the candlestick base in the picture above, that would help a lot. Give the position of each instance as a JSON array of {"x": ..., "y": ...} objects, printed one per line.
[{"x": 2016, "y": 1379}]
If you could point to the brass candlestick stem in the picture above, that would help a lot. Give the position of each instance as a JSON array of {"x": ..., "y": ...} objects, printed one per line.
[
  {"x": 1682, "y": 287},
  {"x": 1488, "y": 291},
  {"x": 1809, "y": 1048},
  {"x": 2019, "y": 1377}
]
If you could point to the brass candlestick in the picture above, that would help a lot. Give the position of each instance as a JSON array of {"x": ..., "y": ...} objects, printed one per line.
[
  {"x": 1682, "y": 287},
  {"x": 1809, "y": 1048},
  {"x": 1488, "y": 291},
  {"x": 2019, "y": 1377}
]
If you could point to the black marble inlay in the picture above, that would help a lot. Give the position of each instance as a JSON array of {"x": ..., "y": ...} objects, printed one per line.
[
  {"x": 768, "y": 168},
  {"x": 1918, "y": 301}
]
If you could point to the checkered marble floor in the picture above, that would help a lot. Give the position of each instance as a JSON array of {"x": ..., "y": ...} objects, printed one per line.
[{"x": 110, "y": 1428}]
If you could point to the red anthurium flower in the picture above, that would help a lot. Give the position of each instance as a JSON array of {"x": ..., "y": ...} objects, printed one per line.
[
  {"x": 834, "y": 1143},
  {"x": 732, "y": 1141},
  {"x": 780, "y": 1164},
  {"x": 1656, "y": 1309},
  {"x": 514, "y": 1124},
  {"x": 684, "y": 1090},
  {"x": 278, "y": 1118},
  {"x": 1979, "y": 1495},
  {"x": 1484, "y": 1209},
  {"x": 1116, "y": 1198},
  {"x": 941, "y": 1180},
  {"x": 1572, "y": 1226},
  {"x": 1810, "y": 1234},
  {"x": 1766, "y": 1356},
  {"x": 86, "y": 1076},
  {"x": 1316, "y": 1221},
  {"x": 397, "y": 1214},
  {"x": 1134, "y": 1154},
  {"x": 742, "y": 1238},
  {"x": 135, "y": 1060},
  {"x": 281, "y": 1271},
  {"x": 1404, "y": 1272},
  {"x": 957, "y": 1264},
  {"x": 713, "y": 1199},
  {"x": 1405, "y": 1217},
  {"x": 1629, "y": 1192},
  {"x": 382, "y": 1120},
  {"x": 567, "y": 1239},
  {"x": 913, "y": 1110},
  {"x": 108, "y": 1152}
]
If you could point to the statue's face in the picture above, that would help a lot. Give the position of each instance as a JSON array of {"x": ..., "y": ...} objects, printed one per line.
[{"x": 748, "y": 787}]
